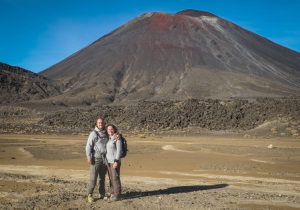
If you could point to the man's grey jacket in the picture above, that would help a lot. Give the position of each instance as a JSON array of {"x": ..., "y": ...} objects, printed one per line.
[{"x": 96, "y": 145}]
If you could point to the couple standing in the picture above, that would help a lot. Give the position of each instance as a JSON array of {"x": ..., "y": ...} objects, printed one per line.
[{"x": 104, "y": 151}]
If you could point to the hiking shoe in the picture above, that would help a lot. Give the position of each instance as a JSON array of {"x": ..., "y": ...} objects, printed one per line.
[
  {"x": 102, "y": 197},
  {"x": 90, "y": 199},
  {"x": 114, "y": 199}
]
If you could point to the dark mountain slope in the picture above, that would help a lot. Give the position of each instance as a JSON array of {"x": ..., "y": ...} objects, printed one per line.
[
  {"x": 191, "y": 54},
  {"x": 18, "y": 84}
]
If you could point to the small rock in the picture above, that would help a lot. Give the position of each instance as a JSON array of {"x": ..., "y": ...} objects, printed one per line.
[{"x": 270, "y": 146}]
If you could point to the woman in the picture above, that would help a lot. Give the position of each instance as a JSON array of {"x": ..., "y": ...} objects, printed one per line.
[{"x": 114, "y": 152}]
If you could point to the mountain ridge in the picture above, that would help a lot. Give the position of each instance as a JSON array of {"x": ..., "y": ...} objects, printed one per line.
[{"x": 18, "y": 84}]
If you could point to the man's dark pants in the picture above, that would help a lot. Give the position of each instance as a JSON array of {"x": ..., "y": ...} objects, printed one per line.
[{"x": 97, "y": 168}]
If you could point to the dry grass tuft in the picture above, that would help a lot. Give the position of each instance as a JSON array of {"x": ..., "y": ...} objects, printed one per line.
[
  {"x": 247, "y": 136},
  {"x": 283, "y": 134},
  {"x": 294, "y": 131},
  {"x": 274, "y": 129}
]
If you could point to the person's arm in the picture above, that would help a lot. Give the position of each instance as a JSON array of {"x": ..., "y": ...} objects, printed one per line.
[
  {"x": 118, "y": 154},
  {"x": 89, "y": 147}
]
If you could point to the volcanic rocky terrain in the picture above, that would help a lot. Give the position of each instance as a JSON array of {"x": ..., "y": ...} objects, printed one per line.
[
  {"x": 165, "y": 117},
  {"x": 168, "y": 115}
]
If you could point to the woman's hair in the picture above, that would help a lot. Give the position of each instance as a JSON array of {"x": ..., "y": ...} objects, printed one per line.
[{"x": 114, "y": 127}]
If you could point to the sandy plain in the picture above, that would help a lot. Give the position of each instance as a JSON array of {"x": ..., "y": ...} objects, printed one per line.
[{"x": 193, "y": 172}]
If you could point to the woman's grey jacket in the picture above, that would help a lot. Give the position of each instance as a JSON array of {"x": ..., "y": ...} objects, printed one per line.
[
  {"x": 114, "y": 150},
  {"x": 96, "y": 145}
]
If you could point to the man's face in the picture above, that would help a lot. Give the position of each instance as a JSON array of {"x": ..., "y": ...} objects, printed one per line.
[{"x": 100, "y": 124}]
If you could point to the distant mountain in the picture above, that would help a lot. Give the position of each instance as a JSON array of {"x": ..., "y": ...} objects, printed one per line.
[
  {"x": 191, "y": 54},
  {"x": 18, "y": 84}
]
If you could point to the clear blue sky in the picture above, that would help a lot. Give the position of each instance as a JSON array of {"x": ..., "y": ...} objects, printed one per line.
[{"x": 35, "y": 34}]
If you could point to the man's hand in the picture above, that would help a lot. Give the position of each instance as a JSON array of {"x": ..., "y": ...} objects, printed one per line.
[
  {"x": 89, "y": 161},
  {"x": 115, "y": 165},
  {"x": 118, "y": 136}
]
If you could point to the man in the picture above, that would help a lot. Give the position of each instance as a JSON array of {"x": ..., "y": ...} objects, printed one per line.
[{"x": 96, "y": 152}]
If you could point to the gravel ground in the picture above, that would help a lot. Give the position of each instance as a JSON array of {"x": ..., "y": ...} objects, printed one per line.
[
  {"x": 71, "y": 195},
  {"x": 221, "y": 173}
]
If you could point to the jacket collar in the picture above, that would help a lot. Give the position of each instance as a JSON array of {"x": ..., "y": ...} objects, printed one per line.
[
  {"x": 113, "y": 138},
  {"x": 97, "y": 129}
]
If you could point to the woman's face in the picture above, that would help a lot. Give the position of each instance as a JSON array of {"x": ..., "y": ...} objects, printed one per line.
[{"x": 110, "y": 130}]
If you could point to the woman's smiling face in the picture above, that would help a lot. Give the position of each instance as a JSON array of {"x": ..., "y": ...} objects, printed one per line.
[{"x": 110, "y": 130}]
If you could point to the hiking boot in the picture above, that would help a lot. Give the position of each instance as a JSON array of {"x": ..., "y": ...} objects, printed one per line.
[
  {"x": 114, "y": 199},
  {"x": 102, "y": 197},
  {"x": 90, "y": 199}
]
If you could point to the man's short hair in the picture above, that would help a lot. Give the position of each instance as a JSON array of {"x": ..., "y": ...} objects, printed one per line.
[
  {"x": 95, "y": 124},
  {"x": 100, "y": 118}
]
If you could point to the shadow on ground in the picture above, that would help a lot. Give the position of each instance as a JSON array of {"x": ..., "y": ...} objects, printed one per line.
[{"x": 172, "y": 190}]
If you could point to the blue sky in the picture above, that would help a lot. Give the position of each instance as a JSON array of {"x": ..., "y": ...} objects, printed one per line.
[{"x": 36, "y": 34}]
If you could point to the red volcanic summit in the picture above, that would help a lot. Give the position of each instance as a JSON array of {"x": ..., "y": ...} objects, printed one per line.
[
  {"x": 191, "y": 54},
  {"x": 195, "y": 13}
]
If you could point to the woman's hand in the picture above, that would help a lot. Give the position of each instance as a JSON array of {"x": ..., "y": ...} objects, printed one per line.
[{"x": 115, "y": 165}]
